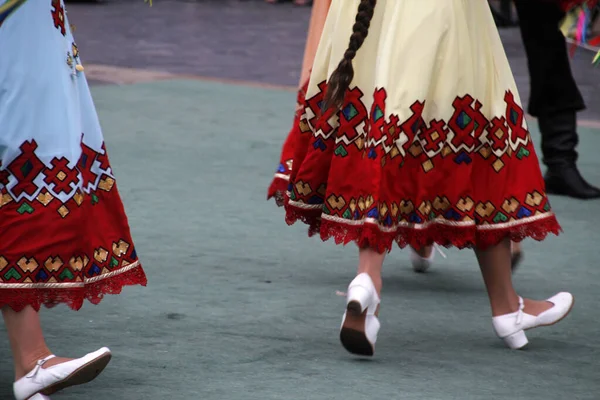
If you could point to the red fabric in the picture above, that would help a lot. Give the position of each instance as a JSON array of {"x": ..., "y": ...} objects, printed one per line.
[
  {"x": 63, "y": 251},
  {"x": 74, "y": 298},
  {"x": 374, "y": 193},
  {"x": 280, "y": 182}
]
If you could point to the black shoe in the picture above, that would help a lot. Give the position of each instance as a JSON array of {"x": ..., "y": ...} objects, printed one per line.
[
  {"x": 567, "y": 181},
  {"x": 559, "y": 140}
]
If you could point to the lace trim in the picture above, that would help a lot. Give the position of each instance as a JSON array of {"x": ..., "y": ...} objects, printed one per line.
[
  {"x": 369, "y": 235},
  {"x": 17, "y": 299}
]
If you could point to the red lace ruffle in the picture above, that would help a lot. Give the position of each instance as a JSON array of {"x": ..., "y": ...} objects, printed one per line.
[
  {"x": 370, "y": 235},
  {"x": 18, "y": 299}
]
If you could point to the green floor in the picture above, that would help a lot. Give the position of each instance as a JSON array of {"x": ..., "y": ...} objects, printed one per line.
[{"x": 240, "y": 306}]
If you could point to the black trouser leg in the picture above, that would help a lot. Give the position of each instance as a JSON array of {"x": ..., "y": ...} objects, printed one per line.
[
  {"x": 559, "y": 138},
  {"x": 554, "y": 98},
  {"x": 552, "y": 85}
]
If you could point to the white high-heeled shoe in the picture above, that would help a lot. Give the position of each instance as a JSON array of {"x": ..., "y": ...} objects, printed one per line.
[
  {"x": 421, "y": 264},
  {"x": 511, "y": 327},
  {"x": 46, "y": 381},
  {"x": 360, "y": 325}
]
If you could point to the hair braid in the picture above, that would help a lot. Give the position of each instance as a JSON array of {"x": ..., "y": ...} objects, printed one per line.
[{"x": 344, "y": 73}]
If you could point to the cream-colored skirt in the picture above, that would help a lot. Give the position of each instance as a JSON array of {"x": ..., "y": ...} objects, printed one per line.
[
  {"x": 429, "y": 50},
  {"x": 431, "y": 143}
]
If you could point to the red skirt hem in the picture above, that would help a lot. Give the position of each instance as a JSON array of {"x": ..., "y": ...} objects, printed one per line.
[
  {"x": 381, "y": 239},
  {"x": 18, "y": 299}
]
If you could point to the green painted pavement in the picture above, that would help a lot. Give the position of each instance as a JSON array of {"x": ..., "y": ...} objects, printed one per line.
[{"x": 240, "y": 306}]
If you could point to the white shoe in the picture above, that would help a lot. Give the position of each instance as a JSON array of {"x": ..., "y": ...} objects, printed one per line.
[
  {"x": 360, "y": 325},
  {"x": 46, "y": 381},
  {"x": 511, "y": 327},
  {"x": 421, "y": 264}
]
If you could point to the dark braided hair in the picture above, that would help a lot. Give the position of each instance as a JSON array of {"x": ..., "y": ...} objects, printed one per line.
[{"x": 344, "y": 73}]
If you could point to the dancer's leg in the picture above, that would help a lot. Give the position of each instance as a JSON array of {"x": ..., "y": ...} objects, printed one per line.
[{"x": 27, "y": 340}]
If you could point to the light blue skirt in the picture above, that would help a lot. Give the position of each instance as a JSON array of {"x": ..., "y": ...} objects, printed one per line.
[{"x": 64, "y": 235}]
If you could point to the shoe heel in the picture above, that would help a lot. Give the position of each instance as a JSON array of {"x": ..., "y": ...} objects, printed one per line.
[
  {"x": 358, "y": 300},
  {"x": 516, "y": 341}
]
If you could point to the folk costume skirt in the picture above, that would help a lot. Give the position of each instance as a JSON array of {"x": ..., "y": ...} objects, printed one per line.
[
  {"x": 64, "y": 235},
  {"x": 281, "y": 179},
  {"x": 431, "y": 144}
]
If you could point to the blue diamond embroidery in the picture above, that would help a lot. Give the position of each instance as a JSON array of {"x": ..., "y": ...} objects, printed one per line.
[
  {"x": 388, "y": 221},
  {"x": 514, "y": 115},
  {"x": 315, "y": 200},
  {"x": 84, "y": 158},
  {"x": 373, "y": 213},
  {"x": 463, "y": 158},
  {"x": 350, "y": 112},
  {"x": 41, "y": 275},
  {"x": 524, "y": 212},
  {"x": 463, "y": 120},
  {"x": 415, "y": 127},
  {"x": 415, "y": 219},
  {"x": 377, "y": 113},
  {"x": 452, "y": 215},
  {"x": 319, "y": 144},
  {"x": 95, "y": 270}
]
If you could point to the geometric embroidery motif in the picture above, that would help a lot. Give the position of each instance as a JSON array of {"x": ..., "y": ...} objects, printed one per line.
[
  {"x": 58, "y": 16},
  {"x": 465, "y": 135},
  {"x": 76, "y": 269},
  {"x": 382, "y": 137},
  {"x": 405, "y": 211},
  {"x": 30, "y": 183}
]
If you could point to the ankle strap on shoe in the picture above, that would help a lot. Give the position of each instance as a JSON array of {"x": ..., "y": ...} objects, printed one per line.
[
  {"x": 520, "y": 312},
  {"x": 38, "y": 365}
]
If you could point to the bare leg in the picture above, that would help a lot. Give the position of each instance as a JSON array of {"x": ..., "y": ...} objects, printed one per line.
[
  {"x": 517, "y": 254},
  {"x": 516, "y": 247},
  {"x": 371, "y": 262},
  {"x": 26, "y": 340},
  {"x": 495, "y": 265}
]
